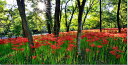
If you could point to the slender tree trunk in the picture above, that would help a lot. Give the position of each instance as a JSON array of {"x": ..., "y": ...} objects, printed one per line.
[
  {"x": 23, "y": 31},
  {"x": 81, "y": 9},
  {"x": 88, "y": 10},
  {"x": 57, "y": 19},
  {"x": 48, "y": 16},
  {"x": 118, "y": 20},
  {"x": 68, "y": 25},
  {"x": 66, "y": 22},
  {"x": 21, "y": 8},
  {"x": 60, "y": 12},
  {"x": 85, "y": 19},
  {"x": 100, "y": 18}
]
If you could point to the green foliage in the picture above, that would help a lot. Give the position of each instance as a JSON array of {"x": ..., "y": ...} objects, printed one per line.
[{"x": 10, "y": 18}]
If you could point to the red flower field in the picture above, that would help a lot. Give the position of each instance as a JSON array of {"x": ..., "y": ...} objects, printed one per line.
[{"x": 106, "y": 47}]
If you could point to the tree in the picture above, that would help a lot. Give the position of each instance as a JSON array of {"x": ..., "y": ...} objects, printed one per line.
[
  {"x": 100, "y": 17},
  {"x": 21, "y": 8},
  {"x": 87, "y": 11},
  {"x": 118, "y": 20},
  {"x": 81, "y": 9},
  {"x": 48, "y": 16},
  {"x": 57, "y": 19},
  {"x": 68, "y": 22}
]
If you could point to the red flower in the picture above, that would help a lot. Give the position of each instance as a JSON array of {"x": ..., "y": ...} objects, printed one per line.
[
  {"x": 125, "y": 40},
  {"x": 32, "y": 46},
  {"x": 115, "y": 39},
  {"x": 22, "y": 49},
  {"x": 112, "y": 52},
  {"x": 99, "y": 46},
  {"x": 15, "y": 46},
  {"x": 53, "y": 51},
  {"x": 15, "y": 49},
  {"x": 87, "y": 49},
  {"x": 118, "y": 56},
  {"x": 33, "y": 57},
  {"x": 21, "y": 44},
  {"x": 92, "y": 45},
  {"x": 115, "y": 48},
  {"x": 54, "y": 47},
  {"x": 119, "y": 51},
  {"x": 72, "y": 45},
  {"x": 1, "y": 41},
  {"x": 69, "y": 49}
]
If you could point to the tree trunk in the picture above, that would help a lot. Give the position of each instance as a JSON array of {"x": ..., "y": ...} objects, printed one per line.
[
  {"x": 85, "y": 19},
  {"x": 57, "y": 19},
  {"x": 48, "y": 16},
  {"x": 21, "y": 8},
  {"x": 23, "y": 31},
  {"x": 100, "y": 18},
  {"x": 81, "y": 9},
  {"x": 88, "y": 10},
  {"x": 68, "y": 25},
  {"x": 66, "y": 22},
  {"x": 118, "y": 20}
]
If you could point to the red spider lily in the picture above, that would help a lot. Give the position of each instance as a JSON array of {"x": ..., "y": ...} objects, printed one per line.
[
  {"x": 48, "y": 43},
  {"x": 83, "y": 36},
  {"x": 92, "y": 40},
  {"x": 118, "y": 56},
  {"x": 71, "y": 42},
  {"x": 125, "y": 40},
  {"x": 69, "y": 49},
  {"x": 22, "y": 49},
  {"x": 87, "y": 50},
  {"x": 34, "y": 57},
  {"x": 32, "y": 46},
  {"x": 88, "y": 40},
  {"x": 1, "y": 41},
  {"x": 54, "y": 47},
  {"x": 115, "y": 39},
  {"x": 15, "y": 49},
  {"x": 21, "y": 44},
  {"x": 36, "y": 46},
  {"x": 112, "y": 52},
  {"x": 72, "y": 45},
  {"x": 60, "y": 43},
  {"x": 92, "y": 45},
  {"x": 99, "y": 46},
  {"x": 43, "y": 44},
  {"x": 96, "y": 39},
  {"x": 114, "y": 48},
  {"x": 69, "y": 38},
  {"x": 53, "y": 51},
  {"x": 120, "y": 51},
  {"x": 15, "y": 45},
  {"x": 89, "y": 37}
]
